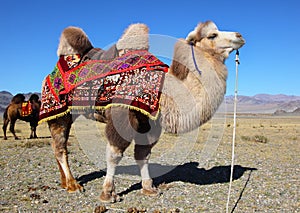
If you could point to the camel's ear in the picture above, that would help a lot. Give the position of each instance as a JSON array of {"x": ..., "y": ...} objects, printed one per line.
[
  {"x": 73, "y": 40},
  {"x": 200, "y": 31},
  {"x": 135, "y": 37}
]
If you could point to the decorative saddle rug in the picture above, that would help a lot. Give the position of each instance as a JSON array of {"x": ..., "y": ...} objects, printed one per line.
[
  {"x": 26, "y": 109},
  {"x": 133, "y": 80}
]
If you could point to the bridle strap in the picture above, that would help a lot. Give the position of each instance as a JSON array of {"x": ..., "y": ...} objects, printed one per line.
[{"x": 194, "y": 59}]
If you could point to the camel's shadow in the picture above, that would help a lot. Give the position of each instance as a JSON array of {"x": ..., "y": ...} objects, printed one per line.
[{"x": 188, "y": 172}]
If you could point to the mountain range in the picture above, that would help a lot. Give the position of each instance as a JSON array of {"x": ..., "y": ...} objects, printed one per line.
[{"x": 260, "y": 103}]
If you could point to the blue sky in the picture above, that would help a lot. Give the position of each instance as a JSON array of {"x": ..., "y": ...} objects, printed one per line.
[{"x": 30, "y": 31}]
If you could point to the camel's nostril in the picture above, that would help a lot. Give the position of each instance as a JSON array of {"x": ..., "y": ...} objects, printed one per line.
[{"x": 238, "y": 35}]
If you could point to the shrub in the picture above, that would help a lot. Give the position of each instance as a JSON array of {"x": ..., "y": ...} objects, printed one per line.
[
  {"x": 246, "y": 138},
  {"x": 260, "y": 139}
]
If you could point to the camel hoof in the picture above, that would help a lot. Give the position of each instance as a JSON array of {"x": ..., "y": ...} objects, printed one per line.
[
  {"x": 148, "y": 188},
  {"x": 150, "y": 192},
  {"x": 72, "y": 190},
  {"x": 5, "y": 138},
  {"x": 74, "y": 187},
  {"x": 109, "y": 197}
]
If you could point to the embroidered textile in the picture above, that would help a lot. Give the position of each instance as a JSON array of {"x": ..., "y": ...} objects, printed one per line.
[
  {"x": 26, "y": 109},
  {"x": 68, "y": 62},
  {"x": 133, "y": 80}
]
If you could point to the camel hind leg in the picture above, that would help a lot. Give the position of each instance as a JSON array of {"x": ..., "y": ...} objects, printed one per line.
[
  {"x": 60, "y": 130},
  {"x": 119, "y": 134},
  {"x": 147, "y": 136},
  {"x": 33, "y": 132},
  {"x": 113, "y": 157},
  {"x": 142, "y": 155},
  {"x": 33, "y": 125},
  {"x": 4, "y": 127},
  {"x": 12, "y": 128},
  {"x": 122, "y": 127}
]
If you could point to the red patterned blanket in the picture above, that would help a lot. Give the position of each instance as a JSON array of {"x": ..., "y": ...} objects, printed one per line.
[
  {"x": 133, "y": 80},
  {"x": 26, "y": 109}
]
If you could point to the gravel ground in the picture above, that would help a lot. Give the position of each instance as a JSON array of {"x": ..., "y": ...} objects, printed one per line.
[{"x": 192, "y": 174}]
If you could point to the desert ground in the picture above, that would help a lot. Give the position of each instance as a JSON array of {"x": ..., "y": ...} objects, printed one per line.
[{"x": 191, "y": 170}]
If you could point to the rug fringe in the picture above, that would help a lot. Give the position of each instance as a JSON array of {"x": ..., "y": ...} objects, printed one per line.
[
  {"x": 98, "y": 108},
  {"x": 54, "y": 116},
  {"x": 132, "y": 108}
]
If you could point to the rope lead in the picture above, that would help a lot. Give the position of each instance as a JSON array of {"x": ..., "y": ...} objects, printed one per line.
[{"x": 237, "y": 62}]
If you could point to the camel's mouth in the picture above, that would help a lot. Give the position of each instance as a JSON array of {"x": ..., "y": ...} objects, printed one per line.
[
  {"x": 238, "y": 43},
  {"x": 234, "y": 45}
]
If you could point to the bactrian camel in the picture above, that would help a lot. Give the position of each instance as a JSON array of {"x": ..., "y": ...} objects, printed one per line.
[
  {"x": 197, "y": 67},
  {"x": 13, "y": 112}
]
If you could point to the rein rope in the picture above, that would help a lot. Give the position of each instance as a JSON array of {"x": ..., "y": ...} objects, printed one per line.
[
  {"x": 237, "y": 62},
  {"x": 194, "y": 59}
]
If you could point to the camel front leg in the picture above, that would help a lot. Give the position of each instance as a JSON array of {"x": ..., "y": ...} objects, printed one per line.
[
  {"x": 60, "y": 129},
  {"x": 114, "y": 153}
]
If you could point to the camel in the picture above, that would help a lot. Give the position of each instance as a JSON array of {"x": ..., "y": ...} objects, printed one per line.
[
  {"x": 197, "y": 68},
  {"x": 13, "y": 112}
]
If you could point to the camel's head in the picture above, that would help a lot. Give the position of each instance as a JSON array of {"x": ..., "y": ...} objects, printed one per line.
[{"x": 207, "y": 36}]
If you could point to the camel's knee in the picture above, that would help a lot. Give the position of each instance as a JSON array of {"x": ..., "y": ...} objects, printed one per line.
[
  {"x": 4, "y": 127},
  {"x": 59, "y": 143},
  {"x": 60, "y": 154},
  {"x": 59, "y": 147}
]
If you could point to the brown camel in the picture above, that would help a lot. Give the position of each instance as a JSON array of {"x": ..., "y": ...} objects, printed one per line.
[
  {"x": 13, "y": 112},
  {"x": 197, "y": 71}
]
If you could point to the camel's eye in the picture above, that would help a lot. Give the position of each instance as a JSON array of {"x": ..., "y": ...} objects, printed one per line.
[{"x": 212, "y": 36}]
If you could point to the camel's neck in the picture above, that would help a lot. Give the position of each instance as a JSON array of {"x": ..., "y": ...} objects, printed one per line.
[{"x": 190, "y": 99}]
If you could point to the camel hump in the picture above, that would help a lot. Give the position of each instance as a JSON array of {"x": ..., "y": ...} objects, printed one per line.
[
  {"x": 135, "y": 37},
  {"x": 73, "y": 40},
  {"x": 34, "y": 98},
  {"x": 18, "y": 98}
]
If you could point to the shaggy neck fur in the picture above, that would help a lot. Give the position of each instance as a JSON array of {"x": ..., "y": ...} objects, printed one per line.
[{"x": 188, "y": 99}]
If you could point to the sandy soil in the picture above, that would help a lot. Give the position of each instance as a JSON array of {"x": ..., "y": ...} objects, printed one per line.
[{"x": 192, "y": 170}]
